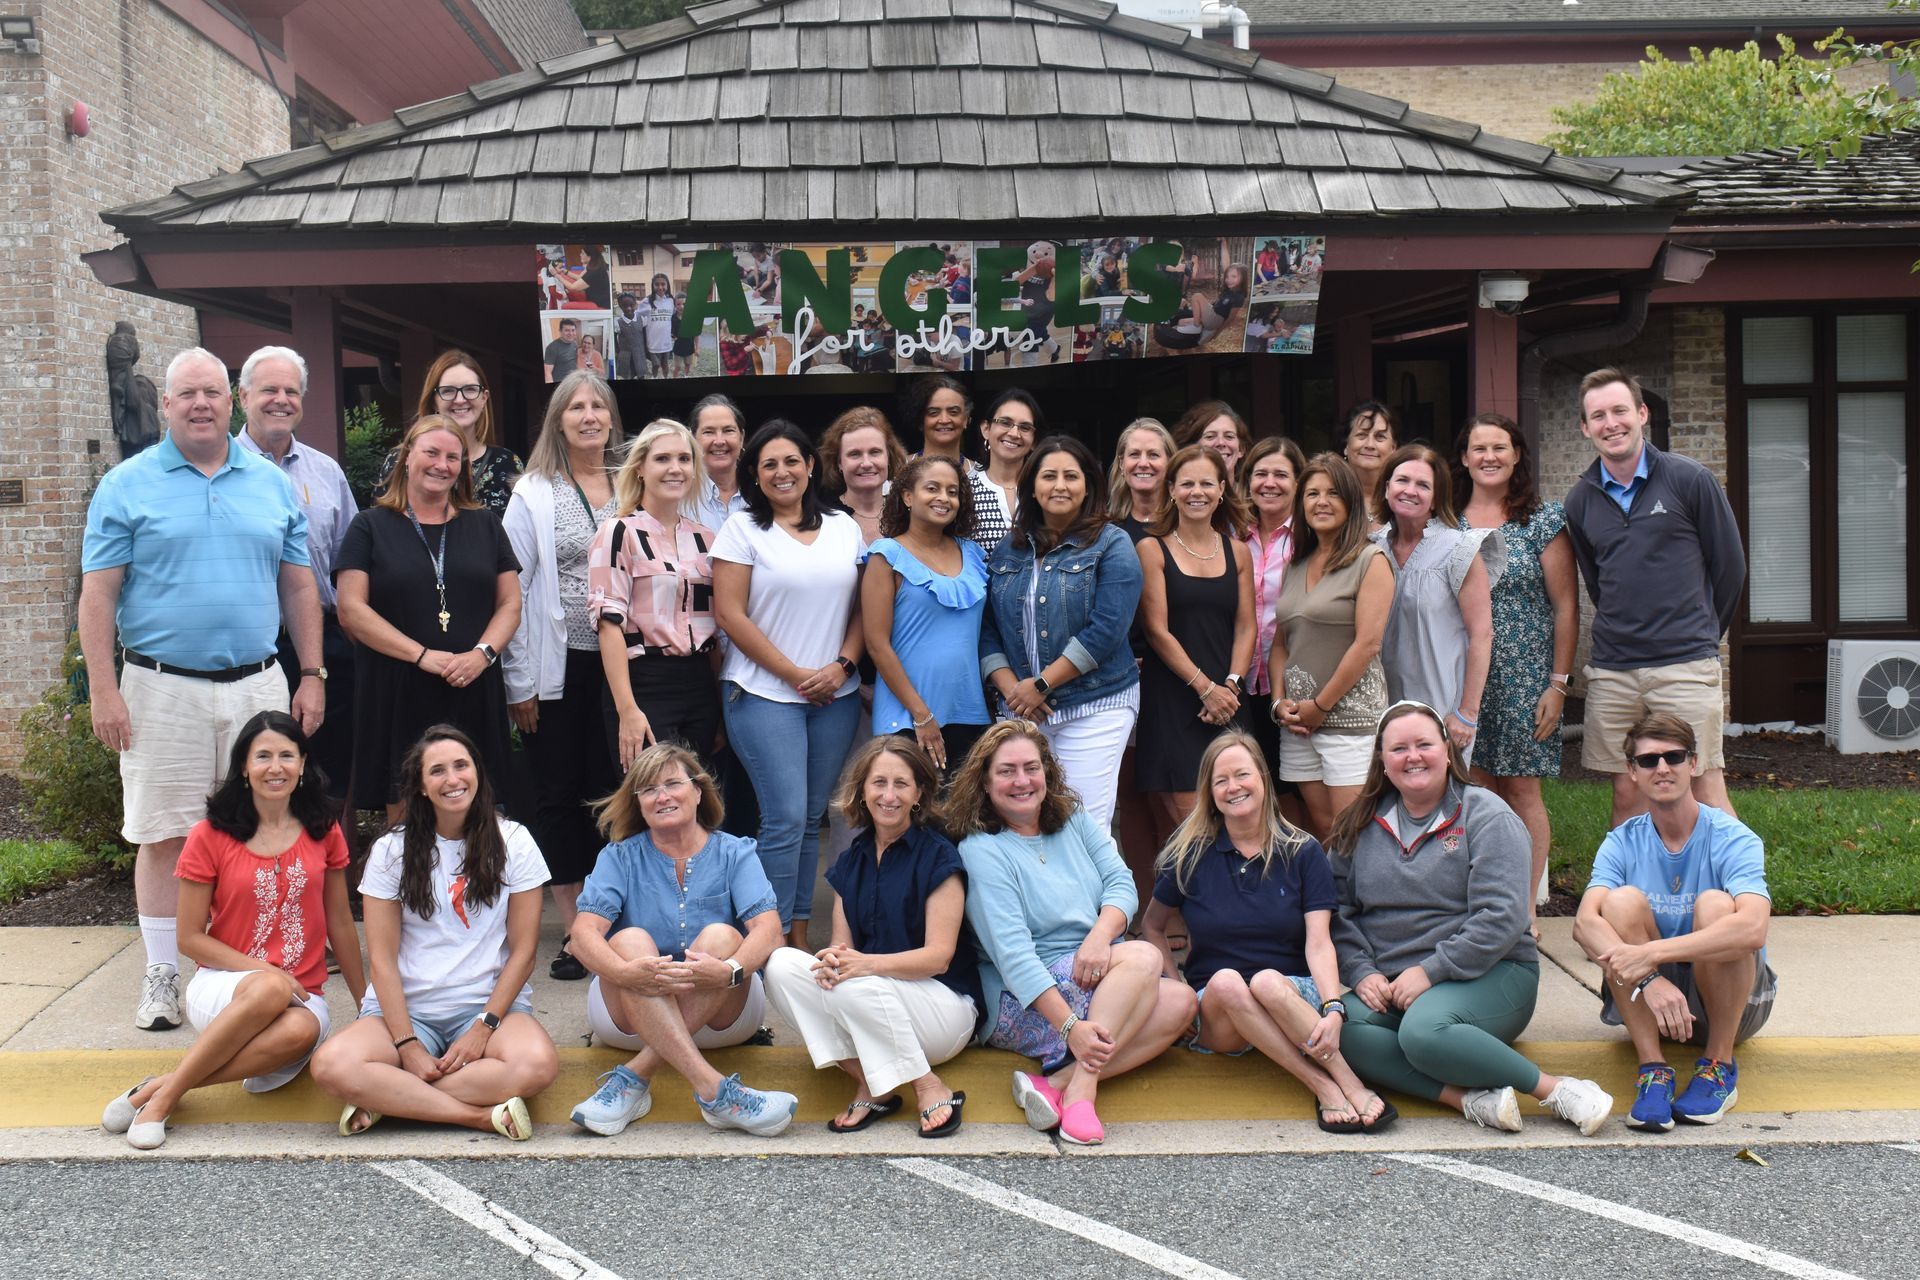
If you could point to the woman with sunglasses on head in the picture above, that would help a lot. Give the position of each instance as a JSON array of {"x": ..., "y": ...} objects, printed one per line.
[
  {"x": 676, "y": 922},
  {"x": 922, "y": 596},
  {"x": 455, "y": 389},
  {"x": 1062, "y": 590},
  {"x": 451, "y": 898},
  {"x": 1257, "y": 898},
  {"x": 897, "y": 991},
  {"x": 263, "y": 892},
  {"x": 1011, "y": 423},
  {"x": 786, "y": 578},
  {"x": 1432, "y": 934},
  {"x": 552, "y": 667}
]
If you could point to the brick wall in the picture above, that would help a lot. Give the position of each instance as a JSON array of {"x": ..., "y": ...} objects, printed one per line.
[{"x": 167, "y": 107}]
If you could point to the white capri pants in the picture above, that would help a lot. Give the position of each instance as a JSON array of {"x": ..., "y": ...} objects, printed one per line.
[
  {"x": 608, "y": 1032},
  {"x": 209, "y": 993},
  {"x": 897, "y": 1028},
  {"x": 1089, "y": 748}
]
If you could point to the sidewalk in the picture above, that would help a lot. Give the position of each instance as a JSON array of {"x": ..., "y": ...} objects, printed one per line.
[{"x": 1844, "y": 1037}]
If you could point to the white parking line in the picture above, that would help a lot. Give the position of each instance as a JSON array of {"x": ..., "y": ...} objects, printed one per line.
[
  {"x": 1159, "y": 1257},
  {"x": 517, "y": 1234},
  {"x": 1914, "y": 1147},
  {"x": 1759, "y": 1255}
]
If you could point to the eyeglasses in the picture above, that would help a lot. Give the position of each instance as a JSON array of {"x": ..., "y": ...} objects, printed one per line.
[
  {"x": 1674, "y": 758},
  {"x": 1011, "y": 424},
  {"x": 472, "y": 391},
  {"x": 654, "y": 792}
]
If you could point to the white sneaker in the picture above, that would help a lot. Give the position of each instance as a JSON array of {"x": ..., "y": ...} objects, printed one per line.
[
  {"x": 160, "y": 1007},
  {"x": 1581, "y": 1103},
  {"x": 1493, "y": 1108}
]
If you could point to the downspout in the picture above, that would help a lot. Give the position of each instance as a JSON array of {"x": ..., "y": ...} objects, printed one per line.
[{"x": 1629, "y": 318}]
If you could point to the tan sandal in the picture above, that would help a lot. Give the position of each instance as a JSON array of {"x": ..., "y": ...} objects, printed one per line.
[
  {"x": 510, "y": 1120},
  {"x": 346, "y": 1120}
]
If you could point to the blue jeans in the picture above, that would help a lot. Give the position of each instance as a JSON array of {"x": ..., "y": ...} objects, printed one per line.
[{"x": 793, "y": 751}]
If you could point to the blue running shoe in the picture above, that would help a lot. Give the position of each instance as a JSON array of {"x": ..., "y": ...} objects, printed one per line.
[
  {"x": 1711, "y": 1093},
  {"x": 738, "y": 1107},
  {"x": 1652, "y": 1099},
  {"x": 622, "y": 1098}
]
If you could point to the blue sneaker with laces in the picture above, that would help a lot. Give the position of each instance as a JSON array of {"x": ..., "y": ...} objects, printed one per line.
[
  {"x": 1652, "y": 1099},
  {"x": 1711, "y": 1093},
  {"x": 622, "y": 1098},
  {"x": 765, "y": 1113}
]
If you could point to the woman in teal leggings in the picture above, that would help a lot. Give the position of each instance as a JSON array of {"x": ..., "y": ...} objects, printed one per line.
[{"x": 1432, "y": 933}]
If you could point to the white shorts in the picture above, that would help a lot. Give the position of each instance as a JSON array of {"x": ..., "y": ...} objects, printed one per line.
[
  {"x": 609, "y": 1032},
  {"x": 1336, "y": 759},
  {"x": 183, "y": 732},
  {"x": 211, "y": 991}
]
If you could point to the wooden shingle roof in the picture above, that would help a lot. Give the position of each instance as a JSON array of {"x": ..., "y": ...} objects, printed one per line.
[
  {"x": 1882, "y": 178},
  {"x": 880, "y": 112}
]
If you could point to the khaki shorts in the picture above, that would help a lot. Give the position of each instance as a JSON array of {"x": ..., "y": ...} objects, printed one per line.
[
  {"x": 1336, "y": 759},
  {"x": 1617, "y": 699},
  {"x": 183, "y": 732}
]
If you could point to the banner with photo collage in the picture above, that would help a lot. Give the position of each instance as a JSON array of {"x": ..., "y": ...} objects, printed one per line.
[{"x": 762, "y": 309}]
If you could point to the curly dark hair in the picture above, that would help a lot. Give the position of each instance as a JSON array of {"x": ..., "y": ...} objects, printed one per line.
[
  {"x": 485, "y": 863},
  {"x": 231, "y": 809},
  {"x": 894, "y": 517}
]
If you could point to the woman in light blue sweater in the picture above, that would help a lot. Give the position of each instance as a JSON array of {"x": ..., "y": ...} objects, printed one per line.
[{"x": 1049, "y": 899}]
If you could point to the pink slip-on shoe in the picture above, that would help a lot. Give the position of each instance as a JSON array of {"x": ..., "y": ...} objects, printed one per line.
[
  {"x": 1081, "y": 1126},
  {"x": 1040, "y": 1100}
]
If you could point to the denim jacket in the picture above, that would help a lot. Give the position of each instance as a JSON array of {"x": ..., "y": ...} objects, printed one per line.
[{"x": 1084, "y": 601}]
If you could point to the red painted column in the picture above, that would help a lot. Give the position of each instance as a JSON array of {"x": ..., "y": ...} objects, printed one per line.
[
  {"x": 1493, "y": 355},
  {"x": 316, "y": 336}
]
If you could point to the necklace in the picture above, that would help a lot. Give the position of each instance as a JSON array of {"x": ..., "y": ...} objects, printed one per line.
[
  {"x": 439, "y": 560},
  {"x": 1211, "y": 555}
]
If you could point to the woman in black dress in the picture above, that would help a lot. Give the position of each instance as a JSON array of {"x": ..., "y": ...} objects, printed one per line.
[
  {"x": 1196, "y": 603},
  {"x": 430, "y": 592}
]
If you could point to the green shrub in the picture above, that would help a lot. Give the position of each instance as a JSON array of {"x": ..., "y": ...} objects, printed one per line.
[
  {"x": 28, "y": 866},
  {"x": 72, "y": 780},
  {"x": 368, "y": 439}
]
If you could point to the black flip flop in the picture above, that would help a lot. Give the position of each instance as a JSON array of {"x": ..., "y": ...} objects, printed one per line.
[
  {"x": 952, "y": 1125},
  {"x": 1339, "y": 1126},
  {"x": 1388, "y": 1114},
  {"x": 875, "y": 1109}
]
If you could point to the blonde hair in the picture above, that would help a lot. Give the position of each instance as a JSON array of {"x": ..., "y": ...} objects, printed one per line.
[
  {"x": 630, "y": 485},
  {"x": 394, "y": 496},
  {"x": 617, "y": 814},
  {"x": 1119, "y": 497},
  {"x": 1202, "y": 825}
]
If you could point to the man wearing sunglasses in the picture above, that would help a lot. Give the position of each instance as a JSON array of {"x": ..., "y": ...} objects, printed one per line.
[{"x": 1676, "y": 915}]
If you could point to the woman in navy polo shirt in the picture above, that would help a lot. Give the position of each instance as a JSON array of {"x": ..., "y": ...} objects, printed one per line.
[
  {"x": 898, "y": 989},
  {"x": 1258, "y": 899}
]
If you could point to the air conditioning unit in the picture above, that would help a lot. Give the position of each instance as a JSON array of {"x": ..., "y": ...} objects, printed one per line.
[{"x": 1873, "y": 696}]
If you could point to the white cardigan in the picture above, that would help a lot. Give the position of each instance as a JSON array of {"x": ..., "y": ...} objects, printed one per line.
[{"x": 535, "y": 662}]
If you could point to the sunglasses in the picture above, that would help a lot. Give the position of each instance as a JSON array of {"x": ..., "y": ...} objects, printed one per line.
[{"x": 1651, "y": 759}]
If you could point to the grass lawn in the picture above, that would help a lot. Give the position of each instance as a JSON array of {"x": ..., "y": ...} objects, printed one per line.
[
  {"x": 27, "y": 866},
  {"x": 1828, "y": 852}
]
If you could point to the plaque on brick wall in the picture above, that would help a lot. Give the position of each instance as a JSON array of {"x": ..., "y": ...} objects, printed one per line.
[{"x": 13, "y": 493}]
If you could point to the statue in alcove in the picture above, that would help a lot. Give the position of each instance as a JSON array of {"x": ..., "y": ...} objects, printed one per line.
[{"x": 131, "y": 396}]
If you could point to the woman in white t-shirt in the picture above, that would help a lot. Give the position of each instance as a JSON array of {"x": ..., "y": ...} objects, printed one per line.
[
  {"x": 452, "y": 906},
  {"x": 786, "y": 575}
]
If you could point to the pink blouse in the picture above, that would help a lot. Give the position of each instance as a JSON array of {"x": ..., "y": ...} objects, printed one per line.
[
  {"x": 658, "y": 585},
  {"x": 1269, "y": 575}
]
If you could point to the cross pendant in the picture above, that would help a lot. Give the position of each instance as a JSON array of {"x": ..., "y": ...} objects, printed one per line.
[{"x": 445, "y": 618}]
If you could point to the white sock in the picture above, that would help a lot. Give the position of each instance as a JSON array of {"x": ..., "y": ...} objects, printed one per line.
[{"x": 161, "y": 936}]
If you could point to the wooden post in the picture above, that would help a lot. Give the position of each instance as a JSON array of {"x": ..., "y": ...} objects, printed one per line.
[
  {"x": 1353, "y": 379},
  {"x": 417, "y": 350},
  {"x": 316, "y": 336},
  {"x": 1493, "y": 353}
]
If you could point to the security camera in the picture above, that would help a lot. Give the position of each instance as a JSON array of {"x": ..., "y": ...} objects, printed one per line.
[{"x": 1503, "y": 291}]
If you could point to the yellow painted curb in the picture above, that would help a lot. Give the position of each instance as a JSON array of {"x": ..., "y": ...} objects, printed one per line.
[{"x": 1777, "y": 1074}]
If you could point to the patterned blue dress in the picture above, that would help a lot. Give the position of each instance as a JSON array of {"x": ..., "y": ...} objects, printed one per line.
[{"x": 1522, "y": 655}]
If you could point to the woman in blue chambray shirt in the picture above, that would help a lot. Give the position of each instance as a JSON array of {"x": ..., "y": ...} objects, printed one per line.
[
  {"x": 1062, "y": 591},
  {"x": 675, "y": 922}
]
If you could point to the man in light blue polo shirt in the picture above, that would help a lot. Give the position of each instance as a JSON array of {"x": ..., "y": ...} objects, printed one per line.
[
  {"x": 195, "y": 551},
  {"x": 273, "y": 388}
]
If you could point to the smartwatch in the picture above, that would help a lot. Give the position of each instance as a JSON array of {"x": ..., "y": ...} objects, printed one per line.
[
  {"x": 1040, "y": 685},
  {"x": 846, "y": 665},
  {"x": 492, "y": 654},
  {"x": 738, "y": 975},
  {"x": 492, "y": 1020},
  {"x": 1233, "y": 682}
]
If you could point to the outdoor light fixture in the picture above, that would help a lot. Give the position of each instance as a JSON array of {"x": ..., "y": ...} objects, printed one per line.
[{"x": 17, "y": 32}]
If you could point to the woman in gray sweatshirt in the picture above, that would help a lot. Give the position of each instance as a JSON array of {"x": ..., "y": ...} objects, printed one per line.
[{"x": 1432, "y": 934}]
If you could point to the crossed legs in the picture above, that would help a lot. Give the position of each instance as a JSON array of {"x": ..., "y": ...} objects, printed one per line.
[{"x": 667, "y": 1023}]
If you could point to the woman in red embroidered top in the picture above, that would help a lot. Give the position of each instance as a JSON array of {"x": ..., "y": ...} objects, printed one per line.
[
  {"x": 650, "y": 585},
  {"x": 263, "y": 889}
]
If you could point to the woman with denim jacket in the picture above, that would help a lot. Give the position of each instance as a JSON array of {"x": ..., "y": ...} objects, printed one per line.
[{"x": 1062, "y": 589}]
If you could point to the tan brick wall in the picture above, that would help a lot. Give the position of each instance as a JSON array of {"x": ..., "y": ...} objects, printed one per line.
[{"x": 167, "y": 107}]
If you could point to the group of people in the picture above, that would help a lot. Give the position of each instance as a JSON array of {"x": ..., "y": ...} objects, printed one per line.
[{"x": 1159, "y": 667}]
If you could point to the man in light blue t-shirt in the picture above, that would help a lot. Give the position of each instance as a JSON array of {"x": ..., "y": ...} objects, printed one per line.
[{"x": 1676, "y": 916}]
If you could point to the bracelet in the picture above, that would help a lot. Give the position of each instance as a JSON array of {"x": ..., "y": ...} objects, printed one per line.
[
  {"x": 401, "y": 1044},
  {"x": 1197, "y": 676},
  {"x": 1645, "y": 982},
  {"x": 1208, "y": 691},
  {"x": 1556, "y": 688},
  {"x": 1335, "y": 1005},
  {"x": 921, "y": 724},
  {"x": 1315, "y": 700},
  {"x": 1073, "y": 1020},
  {"x": 1465, "y": 719},
  {"x": 423, "y": 656}
]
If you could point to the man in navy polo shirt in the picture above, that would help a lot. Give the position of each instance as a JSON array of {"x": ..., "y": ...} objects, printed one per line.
[{"x": 195, "y": 551}]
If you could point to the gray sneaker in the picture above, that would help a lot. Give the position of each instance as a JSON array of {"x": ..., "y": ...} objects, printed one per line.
[
  {"x": 738, "y": 1107},
  {"x": 1581, "y": 1103},
  {"x": 622, "y": 1098},
  {"x": 160, "y": 1006},
  {"x": 1493, "y": 1108}
]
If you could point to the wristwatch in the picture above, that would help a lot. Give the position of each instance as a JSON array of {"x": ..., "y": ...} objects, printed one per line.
[
  {"x": 1233, "y": 681},
  {"x": 1040, "y": 685},
  {"x": 493, "y": 654},
  {"x": 318, "y": 673},
  {"x": 492, "y": 1020},
  {"x": 846, "y": 664},
  {"x": 738, "y": 975}
]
